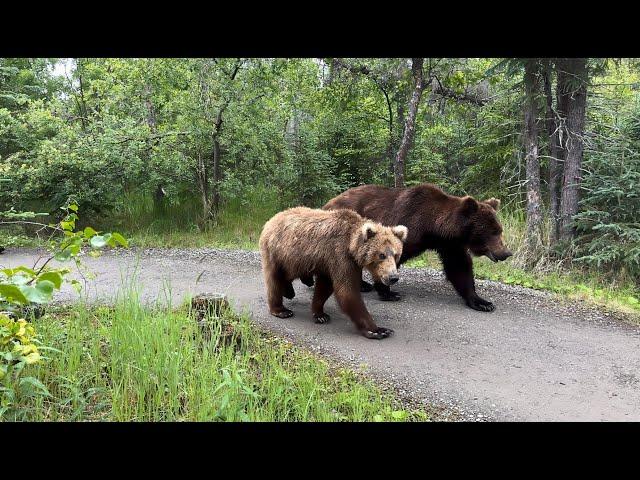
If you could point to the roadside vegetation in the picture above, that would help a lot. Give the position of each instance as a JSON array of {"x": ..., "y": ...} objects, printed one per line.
[
  {"x": 130, "y": 362},
  {"x": 133, "y": 363}
]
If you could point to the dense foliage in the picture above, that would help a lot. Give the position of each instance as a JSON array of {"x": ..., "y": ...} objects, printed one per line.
[
  {"x": 609, "y": 223},
  {"x": 208, "y": 133}
]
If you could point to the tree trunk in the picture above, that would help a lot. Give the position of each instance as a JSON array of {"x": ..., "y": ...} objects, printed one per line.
[
  {"x": 82, "y": 105},
  {"x": 151, "y": 111},
  {"x": 409, "y": 126},
  {"x": 216, "y": 175},
  {"x": 203, "y": 184},
  {"x": 562, "y": 98},
  {"x": 534, "y": 215},
  {"x": 554, "y": 162},
  {"x": 576, "y": 90},
  {"x": 159, "y": 194},
  {"x": 396, "y": 137}
]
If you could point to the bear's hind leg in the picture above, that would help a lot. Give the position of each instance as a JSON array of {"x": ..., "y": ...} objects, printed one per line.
[
  {"x": 322, "y": 292},
  {"x": 276, "y": 288},
  {"x": 289, "y": 292}
]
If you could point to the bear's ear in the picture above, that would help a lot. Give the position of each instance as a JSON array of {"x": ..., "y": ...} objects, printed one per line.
[
  {"x": 493, "y": 203},
  {"x": 401, "y": 232},
  {"x": 369, "y": 230},
  {"x": 469, "y": 206}
]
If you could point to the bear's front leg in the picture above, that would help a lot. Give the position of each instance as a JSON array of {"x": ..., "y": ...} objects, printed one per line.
[
  {"x": 365, "y": 286},
  {"x": 458, "y": 268},
  {"x": 307, "y": 280},
  {"x": 351, "y": 303},
  {"x": 385, "y": 293}
]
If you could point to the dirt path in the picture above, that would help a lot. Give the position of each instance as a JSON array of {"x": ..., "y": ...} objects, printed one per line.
[{"x": 532, "y": 359}]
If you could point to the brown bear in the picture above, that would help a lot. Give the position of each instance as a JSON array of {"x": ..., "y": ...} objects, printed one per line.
[
  {"x": 334, "y": 246},
  {"x": 453, "y": 226}
]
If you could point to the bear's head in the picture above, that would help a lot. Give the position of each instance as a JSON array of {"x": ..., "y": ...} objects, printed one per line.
[
  {"x": 483, "y": 230},
  {"x": 378, "y": 249}
]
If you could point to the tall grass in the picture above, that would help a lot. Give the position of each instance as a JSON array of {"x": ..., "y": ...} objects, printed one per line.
[
  {"x": 135, "y": 363},
  {"x": 237, "y": 225}
]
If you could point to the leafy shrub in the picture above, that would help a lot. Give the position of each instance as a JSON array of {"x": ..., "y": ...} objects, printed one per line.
[
  {"x": 18, "y": 348},
  {"x": 22, "y": 286}
]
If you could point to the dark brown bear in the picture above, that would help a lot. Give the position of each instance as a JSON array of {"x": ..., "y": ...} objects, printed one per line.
[
  {"x": 335, "y": 246},
  {"x": 453, "y": 226}
]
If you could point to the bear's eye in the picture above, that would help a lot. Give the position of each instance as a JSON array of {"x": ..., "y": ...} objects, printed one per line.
[{"x": 382, "y": 256}]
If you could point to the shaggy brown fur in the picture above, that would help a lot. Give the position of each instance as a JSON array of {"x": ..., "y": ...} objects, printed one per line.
[
  {"x": 451, "y": 225},
  {"x": 334, "y": 246}
]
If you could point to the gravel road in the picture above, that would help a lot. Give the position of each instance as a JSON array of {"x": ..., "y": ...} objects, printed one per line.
[{"x": 534, "y": 358}]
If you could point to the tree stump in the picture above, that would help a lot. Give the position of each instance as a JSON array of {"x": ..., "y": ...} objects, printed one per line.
[
  {"x": 209, "y": 310},
  {"x": 209, "y": 304}
]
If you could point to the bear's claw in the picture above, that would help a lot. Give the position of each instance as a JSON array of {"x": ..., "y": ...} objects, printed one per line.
[
  {"x": 284, "y": 313},
  {"x": 322, "y": 318},
  {"x": 481, "y": 305},
  {"x": 378, "y": 334}
]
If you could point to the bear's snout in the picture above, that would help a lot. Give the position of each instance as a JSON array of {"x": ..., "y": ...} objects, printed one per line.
[
  {"x": 498, "y": 256},
  {"x": 390, "y": 279},
  {"x": 503, "y": 256}
]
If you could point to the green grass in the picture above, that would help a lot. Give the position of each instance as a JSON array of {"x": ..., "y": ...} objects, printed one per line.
[
  {"x": 14, "y": 238},
  {"x": 237, "y": 225},
  {"x": 135, "y": 363}
]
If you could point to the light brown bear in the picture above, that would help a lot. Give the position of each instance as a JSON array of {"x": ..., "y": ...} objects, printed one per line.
[{"x": 334, "y": 246}]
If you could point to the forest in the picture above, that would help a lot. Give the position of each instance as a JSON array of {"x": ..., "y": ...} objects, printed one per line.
[
  {"x": 188, "y": 153},
  {"x": 213, "y": 147}
]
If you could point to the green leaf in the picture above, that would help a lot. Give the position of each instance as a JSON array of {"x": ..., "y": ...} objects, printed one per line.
[
  {"x": 35, "y": 385},
  {"x": 63, "y": 256},
  {"x": 76, "y": 285},
  {"x": 41, "y": 293},
  {"x": 66, "y": 226},
  {"x": 73, "y": 207},
  {"x": 20, "y": 279},
  {"x": 117, "y": 238},
  {"x": 13, "y": 294},
  {"x": 98, "y": 241},
  {"x": 53, "y": 277},
  {"x": 11, "y": 271},
  {"x": 89, "y": 232}
]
